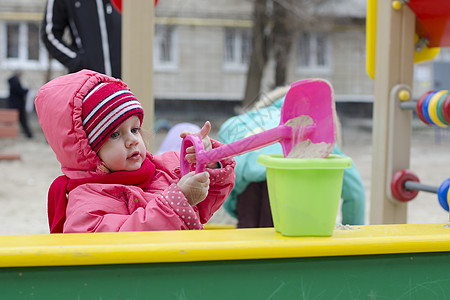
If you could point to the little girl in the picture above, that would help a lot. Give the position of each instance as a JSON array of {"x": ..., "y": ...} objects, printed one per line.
[{"x": 111, "y": 183}]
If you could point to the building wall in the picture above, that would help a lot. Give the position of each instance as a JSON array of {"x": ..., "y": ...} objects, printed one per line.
[
  {"x": 218, "y": 9},
  {"x": 34, "y": 76},
  {"x": 200, "y": 72},
  {"x": 29, "y": 6},
  {"x": 349, "y": 65}
]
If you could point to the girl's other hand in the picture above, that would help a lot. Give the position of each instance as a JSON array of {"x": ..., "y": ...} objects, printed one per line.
[{"x": 194, "y": 187}]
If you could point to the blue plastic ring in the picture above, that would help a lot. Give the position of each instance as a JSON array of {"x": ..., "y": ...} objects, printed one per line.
[
  {"x": 425, "y": 105},
  {"x": 442, "y": 194}
]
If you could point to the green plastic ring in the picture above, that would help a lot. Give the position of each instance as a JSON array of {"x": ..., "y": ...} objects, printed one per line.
[{"x": 439, "y": 108}]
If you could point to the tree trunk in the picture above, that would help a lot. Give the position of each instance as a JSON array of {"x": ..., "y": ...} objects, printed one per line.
[
  {"x": 259, "y": 54},
  {"x": 282, "y": 41}
]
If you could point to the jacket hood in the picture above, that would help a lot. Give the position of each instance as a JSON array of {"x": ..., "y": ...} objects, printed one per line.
[{"x": 59, "y": 106}]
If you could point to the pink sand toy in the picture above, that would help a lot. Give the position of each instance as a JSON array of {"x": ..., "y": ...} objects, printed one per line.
[{"x": 307, "y": 128}]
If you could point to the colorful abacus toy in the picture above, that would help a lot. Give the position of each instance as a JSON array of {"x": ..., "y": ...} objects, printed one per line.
[
  {"x": 405, "y": 186},
  {"x": 433, "y": 108}
]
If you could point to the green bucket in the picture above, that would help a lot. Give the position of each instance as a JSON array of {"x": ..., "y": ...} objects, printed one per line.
[{"x": 304, "y": 194}]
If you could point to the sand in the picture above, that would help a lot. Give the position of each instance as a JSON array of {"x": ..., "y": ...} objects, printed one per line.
[
  {"x": 306, "y": 148},
  {"x": 25, "y": 182}
]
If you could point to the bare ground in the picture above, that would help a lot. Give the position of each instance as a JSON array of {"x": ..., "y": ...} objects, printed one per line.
[{"x": 25, "y": 182}]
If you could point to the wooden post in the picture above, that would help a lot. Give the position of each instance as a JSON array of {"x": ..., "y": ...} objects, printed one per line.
[
  {"x": 394, "y": 64},
  {"x": 137, "y": 53}
]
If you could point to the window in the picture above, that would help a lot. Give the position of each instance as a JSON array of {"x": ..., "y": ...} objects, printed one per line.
[
  {"x": 238, "y": 46},
  {"x": 33, "y": 41},
  {"x": 165, "y": 54},
  {"x": 12, "y": 41},
  {"x": 314, "y": 52},
  {"x": 21, "y": 47}
]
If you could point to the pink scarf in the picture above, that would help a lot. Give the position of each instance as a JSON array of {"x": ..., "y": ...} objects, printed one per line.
[{"x": 61, "y": 186}]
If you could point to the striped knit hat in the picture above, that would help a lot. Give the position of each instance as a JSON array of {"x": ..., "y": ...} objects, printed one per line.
[{"x": 107, "y": 106}]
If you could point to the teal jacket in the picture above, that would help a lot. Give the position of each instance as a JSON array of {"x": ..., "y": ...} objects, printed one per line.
[{"x": 247, "y": 169}]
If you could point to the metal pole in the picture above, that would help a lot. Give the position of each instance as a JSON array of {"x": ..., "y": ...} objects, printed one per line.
[
  {"x": 416, "y": 186},
  {"x": 408, "y": 105}
]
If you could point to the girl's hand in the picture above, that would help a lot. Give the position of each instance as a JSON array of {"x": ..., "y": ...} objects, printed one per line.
[
  {"x": 194, "y": 187},
  {"x": 203, "y": 134}
]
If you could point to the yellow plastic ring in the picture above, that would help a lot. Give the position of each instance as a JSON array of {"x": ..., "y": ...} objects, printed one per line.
[
  {"x": 448, "y": 196},
  {"x": 432, "y": 108}
]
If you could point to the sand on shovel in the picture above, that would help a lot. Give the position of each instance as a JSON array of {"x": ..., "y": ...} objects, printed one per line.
[{"x": 306, "y": 148}]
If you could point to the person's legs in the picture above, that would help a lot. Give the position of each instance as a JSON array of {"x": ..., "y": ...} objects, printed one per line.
[
  {"x": 23, "y": 118},
  {"x": 248, "y": 207},
  {"x": 265, "y": 216},
  {"x": 253, "y": 207}
]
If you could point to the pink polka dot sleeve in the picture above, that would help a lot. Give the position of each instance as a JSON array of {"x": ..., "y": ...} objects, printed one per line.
[{"x": 178, "y": 202}]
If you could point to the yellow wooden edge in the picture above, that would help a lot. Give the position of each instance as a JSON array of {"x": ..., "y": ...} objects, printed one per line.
[
  {"x": 209, "y": 245},
  {"x": 213, "y": 226}
]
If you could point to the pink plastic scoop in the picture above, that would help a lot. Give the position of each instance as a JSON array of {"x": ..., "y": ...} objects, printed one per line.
[{"x": 307, "y": 124}]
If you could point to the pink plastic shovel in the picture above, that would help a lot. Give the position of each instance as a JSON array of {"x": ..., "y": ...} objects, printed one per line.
[{"x": 307, "y": 125}]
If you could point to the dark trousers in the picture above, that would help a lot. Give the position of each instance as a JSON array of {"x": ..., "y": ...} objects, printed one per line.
[
  {"x": 253, "y": 207},
  {"x": 23, "y": 118}
]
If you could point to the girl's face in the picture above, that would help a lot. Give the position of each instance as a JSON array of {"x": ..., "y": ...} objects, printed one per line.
[{"x": 125, "y": 149}]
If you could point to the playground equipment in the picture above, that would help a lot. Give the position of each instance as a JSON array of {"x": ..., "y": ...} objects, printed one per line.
[
  {"x": 229, "y": 264},
  {"x": 117, "y": 4},
  {"x": 399, "y": 32},
  {"x": 432, "y": 108},
  {"x": 137, "y": 54},
  {"x": 406, "y": 185}
]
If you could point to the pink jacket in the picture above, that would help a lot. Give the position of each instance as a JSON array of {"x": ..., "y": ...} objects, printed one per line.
[{"x": 94, "y": 207}]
